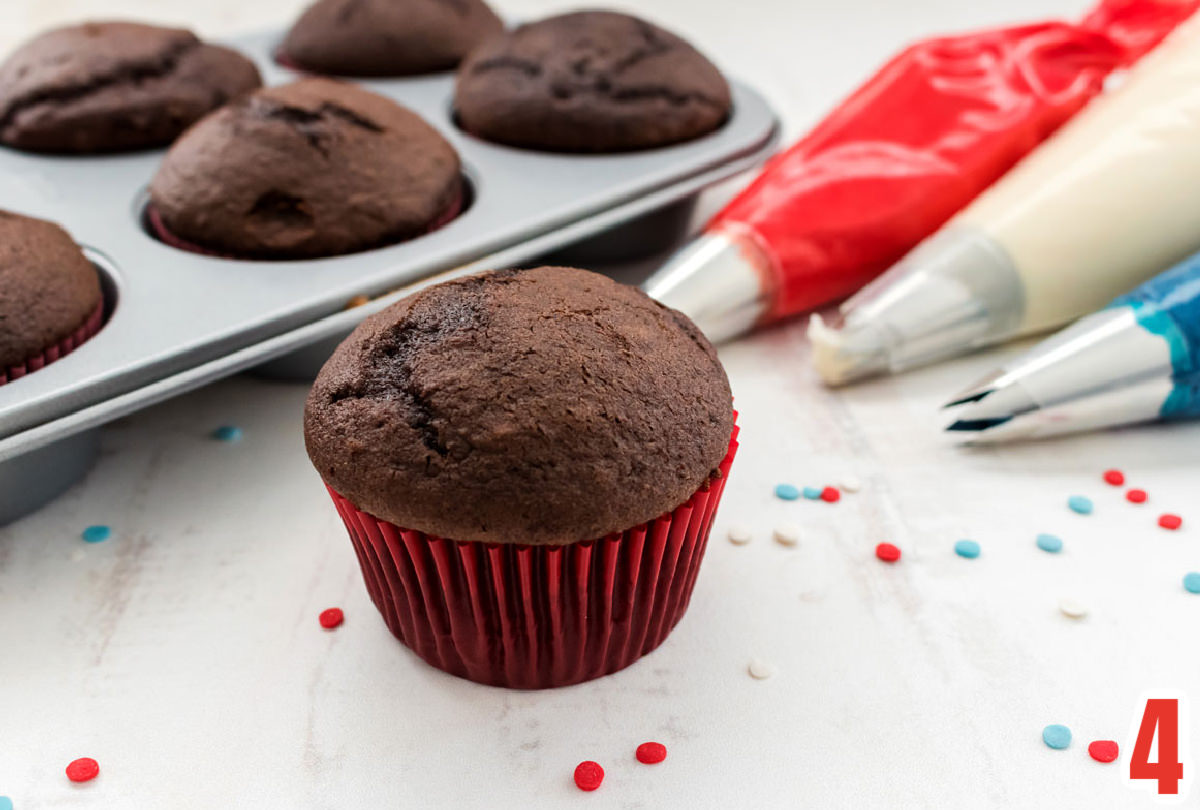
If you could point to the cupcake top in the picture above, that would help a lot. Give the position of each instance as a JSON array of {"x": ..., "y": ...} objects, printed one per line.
[
  {"x": 542, "y": 406},
  {"x": 592, "y": 81},
  {"x": 387, "y": 37},
  {"x": 312, "y": 168},
  {"x": 48, "y": 288},
  {"x": 110, "y": 86}
]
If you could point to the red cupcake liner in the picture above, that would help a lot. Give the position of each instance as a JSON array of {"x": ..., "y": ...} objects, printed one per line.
[
  {"x": 159, "y": 230},
  {"x": 59, "y": 350},
  {"x": 533, "y": 617}
]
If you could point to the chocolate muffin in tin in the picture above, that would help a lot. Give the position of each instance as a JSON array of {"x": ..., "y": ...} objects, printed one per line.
[
  {"x": 592, "y": 81},
  {"x": 387, "y": 37},
  {"x": 308, "y": 169},
  {"x": 114, "y": 86},
  {"x": 50, "y": 297}
]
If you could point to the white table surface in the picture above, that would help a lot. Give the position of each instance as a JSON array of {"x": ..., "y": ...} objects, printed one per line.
[{"x": 184, "y": 653}]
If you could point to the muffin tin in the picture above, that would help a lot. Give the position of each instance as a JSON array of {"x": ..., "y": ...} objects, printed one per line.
[{"x": 178, "y": 320}]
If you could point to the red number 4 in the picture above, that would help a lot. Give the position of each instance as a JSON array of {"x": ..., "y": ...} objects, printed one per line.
[{"x": 1161, "y": 714}]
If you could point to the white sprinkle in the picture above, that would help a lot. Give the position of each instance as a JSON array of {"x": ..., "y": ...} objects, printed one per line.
[
  {"x": 787, "y": 534},
  {"x": 761, "y": 670},
  {"x": 77, "y": 555},
  {"x": 1072, "y": 607},
  {"x": 740, "y": 535},
  {"x": 850, "y": 483}
]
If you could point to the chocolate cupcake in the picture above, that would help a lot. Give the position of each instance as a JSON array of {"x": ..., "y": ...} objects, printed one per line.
[
  {"x": 387, "y": 37},
  {"x": 113, "y": 86},
  {"x": 50, "y": 299},
  {"x": 592, "y": 81},
  {"x": 528, "y": 463},
  {"x": 313, "y": 168}
]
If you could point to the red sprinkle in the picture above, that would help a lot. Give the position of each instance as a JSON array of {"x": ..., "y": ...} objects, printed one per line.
[
  {"x": 1136, "y": 496},
  {"x": 830, "y": 494},
  {"x": 651, "y": 752},
  {"x": 588, "y": 775},
  {"x": 1103, "y": 750},
  {"x": 84, "y": 769},
  {"x": 1114, "y": 477},
  {"x": 1169, "y": 521},
  {"x": 887, "y": 552},
  {"x": 331, "y": 618}
]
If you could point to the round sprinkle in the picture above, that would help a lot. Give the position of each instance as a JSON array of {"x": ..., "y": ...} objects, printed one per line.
[
  {"x": 740, "y": 535},
  {"x": 830, "y": 495},
  {"x": 588, "y": 775},
  {"x": 1072, "y": 608},
  {"x": 1103, "y": 750},
  {"x": 1049, "y": 543},
  {"x": 96, "y": 534},
  {"x": 812, "y": 493},
  {"x": 1114, "y": 477},
  {"x": 887, "y": 552},
  {"x": 786, "y": 492},
  {"x": 651, "y": 753},
  {"x": 84, "y": 769},
  {"x": 1136, "y": 496},
  {"x": 1170, "y": 521},
  {"x": 787, "y": 534},
  {"x": 1080, "y": 505},
  {"x": 850, "y": 483},
  {"x": 227, "y": 433},
  {"x": 6, "y": 803},
  {"x": 760, "y": 669},
  {"x": 1191, "y": 582},
  {"x": 967, "y": 548},
  {"x": 1056, "y": 736},
  {"x": 331, "y": 618}
]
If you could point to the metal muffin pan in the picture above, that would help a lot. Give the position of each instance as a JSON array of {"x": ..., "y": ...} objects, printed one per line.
[{"x": 180, "y": 319}]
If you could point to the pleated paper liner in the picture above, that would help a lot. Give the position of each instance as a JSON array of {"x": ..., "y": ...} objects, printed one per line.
[
  {"x": 70, "y": 343},
  {"x": 532, "y": 617}
]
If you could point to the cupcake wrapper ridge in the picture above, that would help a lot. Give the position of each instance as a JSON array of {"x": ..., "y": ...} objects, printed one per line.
[
  {"x": 533, "y": 617},
  {"x": 61, "y": 349}
]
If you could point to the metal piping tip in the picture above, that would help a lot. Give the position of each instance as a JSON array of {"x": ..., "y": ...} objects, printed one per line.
[
  {"x": 843, "y": 353},
  {"x": 719, "y": 280},
  {"x": 976, "y": 425},
  {"x": 977, "y": 391}
]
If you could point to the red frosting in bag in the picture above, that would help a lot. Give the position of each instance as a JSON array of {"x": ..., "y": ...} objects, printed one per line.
[{"x": 921, "y": 138}]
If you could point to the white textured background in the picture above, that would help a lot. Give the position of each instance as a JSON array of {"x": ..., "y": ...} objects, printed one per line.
[{"x": 185, "y": 656}]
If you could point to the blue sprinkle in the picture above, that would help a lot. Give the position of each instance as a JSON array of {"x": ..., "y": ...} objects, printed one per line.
[
  {"x": 1056, "y": 736},
  {"x": 812, "y": 493},
  {"x": 227, "y": 433},
  {"x": 1191, "y": 582},
  {"x": 96, "y": 534},
  {"x": 6, "y": 803},
  {"x": 1050, "y": 543},
  {"x": 1080, "y": 505},
  {"x": 967, "y": 548},
  {"x": 787, "y": 492}
]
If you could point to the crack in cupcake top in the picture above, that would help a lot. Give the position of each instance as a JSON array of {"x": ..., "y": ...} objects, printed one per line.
[
  {"x": 540, "y": 406},
  {"x": 590, "y": 81},
  {"x": 57, "y": 67},
  {"x": 312, "y": 168}
]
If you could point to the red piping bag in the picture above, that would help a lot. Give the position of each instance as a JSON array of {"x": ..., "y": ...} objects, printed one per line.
[{"x": 919, "y": 140}]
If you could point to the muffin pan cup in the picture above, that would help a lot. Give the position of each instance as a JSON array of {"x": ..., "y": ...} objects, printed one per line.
[
  {"x": 183, "y": 319},
  {"x": 535, "y": 617}
]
